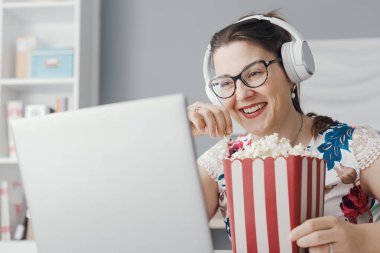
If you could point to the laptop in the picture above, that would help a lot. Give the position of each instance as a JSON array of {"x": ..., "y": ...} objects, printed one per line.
[{"x": 114, "y": 178}]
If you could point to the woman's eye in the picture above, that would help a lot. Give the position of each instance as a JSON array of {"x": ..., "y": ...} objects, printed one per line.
[
  {"x": 252, "y": 74},
  {"x": 225, "y": 83}
]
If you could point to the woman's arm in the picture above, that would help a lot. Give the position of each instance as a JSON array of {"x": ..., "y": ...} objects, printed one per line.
[
  {"x": 210, "y": 192},
  {"x": 206, "y": 118},
  {"x": 370, "y": 179},
  {"x": 370, "y": 183}
]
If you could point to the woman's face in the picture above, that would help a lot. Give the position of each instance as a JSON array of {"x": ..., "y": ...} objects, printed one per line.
[{"x": 262, "y": 110}]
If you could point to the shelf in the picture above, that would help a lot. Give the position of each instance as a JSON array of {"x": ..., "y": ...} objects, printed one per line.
[
  {"x": 8, "y": 161},
  {"x": 35, "y": 3},
  {"x": 39, "y": 85},
  {"x": 18, "y": 247},
  {"x": 41, "y": 11}
]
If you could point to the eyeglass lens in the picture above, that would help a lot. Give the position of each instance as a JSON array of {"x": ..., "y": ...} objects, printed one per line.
[{"x": 252, "y": 76}]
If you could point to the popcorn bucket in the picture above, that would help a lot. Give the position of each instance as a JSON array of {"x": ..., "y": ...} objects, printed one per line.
[{"x": 269, "y": 197}]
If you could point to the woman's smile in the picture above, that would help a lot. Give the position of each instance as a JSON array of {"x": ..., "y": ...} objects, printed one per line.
[{"x": 253, "y": 110}]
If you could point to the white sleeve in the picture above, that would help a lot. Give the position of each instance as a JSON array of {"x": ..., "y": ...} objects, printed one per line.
[
  {"x": 366, "y": 146},
  {"x": 212, "y": 159}
]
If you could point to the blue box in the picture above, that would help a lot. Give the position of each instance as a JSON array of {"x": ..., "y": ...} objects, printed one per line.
[{"x": 52, "y": 63}]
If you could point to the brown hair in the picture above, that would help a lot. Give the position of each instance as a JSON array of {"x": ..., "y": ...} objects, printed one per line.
[{"x": 270, "y": 37}]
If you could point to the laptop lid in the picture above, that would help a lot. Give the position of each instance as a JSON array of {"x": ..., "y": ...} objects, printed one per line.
[{"x": 114, "y": 178}]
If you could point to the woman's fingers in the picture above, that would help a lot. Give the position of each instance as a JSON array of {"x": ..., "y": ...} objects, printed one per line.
[
  {"x": 309, "y": 226},
  {"x": 227, "y": 117},
  {"x": 198, "y": 125},
  {"x": 316, "y": 234},
  {"x": 329, "y": 234},
  {"x": 209, "y": 119},
  {"x": 222, "y": 119},
  {"x": 317, "y": 238}
]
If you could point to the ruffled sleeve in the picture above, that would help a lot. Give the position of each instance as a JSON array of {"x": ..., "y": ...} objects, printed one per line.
[
  {"x": 212, "y": 159},
  {"x": 366, "y": 146}
]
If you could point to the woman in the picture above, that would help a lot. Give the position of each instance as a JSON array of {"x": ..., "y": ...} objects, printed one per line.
[{"x": 259, "y": 95}]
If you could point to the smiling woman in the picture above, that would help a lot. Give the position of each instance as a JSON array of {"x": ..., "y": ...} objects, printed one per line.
[
  {"x": 272, "y": 96},
  {"x": 255, "y": 81}
]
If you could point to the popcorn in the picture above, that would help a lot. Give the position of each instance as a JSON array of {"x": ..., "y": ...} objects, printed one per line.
[
  {"x": 272, "y": 188},
  {"x": 268, "y": 146}
]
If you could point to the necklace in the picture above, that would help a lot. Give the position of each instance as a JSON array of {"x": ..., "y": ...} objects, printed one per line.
[{"x": 299, "y": 131}]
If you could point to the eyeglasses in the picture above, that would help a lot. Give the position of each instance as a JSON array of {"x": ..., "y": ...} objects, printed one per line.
[{"x": 252, "y": 76}]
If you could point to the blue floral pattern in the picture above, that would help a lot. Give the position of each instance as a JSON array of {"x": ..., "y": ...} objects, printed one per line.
[
  {"x": 227, "y": 223},
  {"x": 336, "y": 138},
  {"x": 221, "y": 181}
]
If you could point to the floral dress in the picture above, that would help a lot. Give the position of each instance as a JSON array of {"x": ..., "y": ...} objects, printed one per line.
[{"x": 346, "y": 149}]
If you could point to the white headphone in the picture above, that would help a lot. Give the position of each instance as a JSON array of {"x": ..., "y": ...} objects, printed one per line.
[{"x": 296, "y": 55}]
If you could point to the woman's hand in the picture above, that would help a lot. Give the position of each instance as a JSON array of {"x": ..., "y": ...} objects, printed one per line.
[
  {"x": 329, "y": 234},
  {"x": 209, "y": 119}
]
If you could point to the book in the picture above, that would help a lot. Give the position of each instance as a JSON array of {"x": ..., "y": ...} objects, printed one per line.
[
  {"x": 19, "y": 232},
  {"x": 29, "y": 228},
  {"x": 24, "y": 46},
  {"x": 17, "y": 204},
  {"x": 61, "y": 104},
  {"x": 14, "y": 111},
  {"x": 5, "y": 226}
]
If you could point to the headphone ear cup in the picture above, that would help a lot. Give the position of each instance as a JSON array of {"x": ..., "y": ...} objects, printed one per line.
[
  {"x": 211, "y": 96},
  {"x": 288, "y": 61},
  {"x": 298, "y": 60}
]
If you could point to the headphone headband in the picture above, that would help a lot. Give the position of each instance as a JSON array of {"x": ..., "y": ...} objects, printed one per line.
[
  {"x": 276, "y": 21},
  {"x": 297, "y": 57}
]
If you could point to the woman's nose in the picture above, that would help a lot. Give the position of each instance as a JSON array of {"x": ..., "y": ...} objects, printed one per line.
[{"x": 242, "y": 91}]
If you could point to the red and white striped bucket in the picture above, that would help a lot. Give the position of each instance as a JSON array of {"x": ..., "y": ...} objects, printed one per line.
[{"x": 268, "y": 198}]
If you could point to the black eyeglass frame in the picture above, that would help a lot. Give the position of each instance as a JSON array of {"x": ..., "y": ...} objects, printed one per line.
[{"x": 239, "y": 77}]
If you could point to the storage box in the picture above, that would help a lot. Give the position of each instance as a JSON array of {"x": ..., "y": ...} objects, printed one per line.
[
  {"x": 268, "y": 198},
  {"x": 52, "y": 63},
  {"x": 36, "y": 110}
]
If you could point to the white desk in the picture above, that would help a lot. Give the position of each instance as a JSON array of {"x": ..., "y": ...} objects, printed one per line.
[{"x": 30, "y": 247}]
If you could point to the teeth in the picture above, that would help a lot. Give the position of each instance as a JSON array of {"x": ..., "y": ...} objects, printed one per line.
[{"x": 253, "y": 109}]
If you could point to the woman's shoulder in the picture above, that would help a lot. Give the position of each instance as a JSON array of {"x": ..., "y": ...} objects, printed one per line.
[
  {"x": 344, "y": 131},
  {"x": 362, "y": 142},
  {"x": 338, "y": 129},
  {"x": 339, "y": 135},
  {"x": 366, "y": 145},
  {"x": 344, "y": 134}
]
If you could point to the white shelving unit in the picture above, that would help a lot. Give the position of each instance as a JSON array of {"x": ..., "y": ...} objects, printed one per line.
[{"x": 56, "y": 24}]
